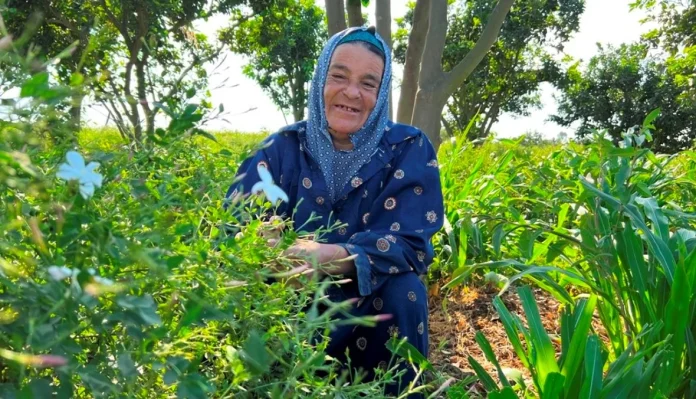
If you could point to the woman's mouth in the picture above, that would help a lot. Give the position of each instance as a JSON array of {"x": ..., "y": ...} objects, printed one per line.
[{"x": 345, "y": 108}]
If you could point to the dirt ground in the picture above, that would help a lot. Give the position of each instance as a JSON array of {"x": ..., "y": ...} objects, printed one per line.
[{"x": 457, "y": 316}]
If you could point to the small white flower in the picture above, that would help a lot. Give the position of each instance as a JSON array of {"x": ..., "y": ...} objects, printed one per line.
[
  {"x": 59, "y": 273},
  {"x": 75, "y": 169},
  {"x": 273, "y": 193}
]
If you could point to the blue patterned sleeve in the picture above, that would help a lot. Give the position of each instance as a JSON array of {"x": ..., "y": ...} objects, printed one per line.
[{"x": 403, "y": 219}]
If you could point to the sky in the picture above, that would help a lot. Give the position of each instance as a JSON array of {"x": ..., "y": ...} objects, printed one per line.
[{"x": 249, "y": 109}]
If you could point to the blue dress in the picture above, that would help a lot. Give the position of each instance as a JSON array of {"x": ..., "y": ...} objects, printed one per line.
[{"x": 390, "y": 210}]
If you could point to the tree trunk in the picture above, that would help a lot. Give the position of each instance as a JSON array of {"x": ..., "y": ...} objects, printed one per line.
[
  {"x": 436, "y": 86},
  {"x": 134, "y": 114},
  {"x": 414, "y": 55},
  {"x": 76, "y": 112},
  {"x": 427, "y": 114},
  {"x": 335, "y": 16},
  {"x": 354, "y": 10},
  {"x": 383, "y": 16},
  {"x": 142, "y": 97}
]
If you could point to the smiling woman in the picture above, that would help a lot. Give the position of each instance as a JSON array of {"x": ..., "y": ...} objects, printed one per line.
[{"x": 379, "y": 180}]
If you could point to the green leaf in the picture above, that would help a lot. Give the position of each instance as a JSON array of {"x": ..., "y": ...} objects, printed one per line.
[
  {"x": 35, "y": 86},
  {"x": 485, "y": 378},
  {"x": 255, "y": 355},
  {"x": 193, "y": 312},
  {"x": 511, "y": 330},
  {"x": 409, "y": 353},
  {"x": 96, "y": 382},
  {"x": 36, "y": 389},
  {"x": 193, "y": 386},
  {"x": 553, "y": 387},
  {"x": 593, "y": 370},
  {"x": 365, "y": 3},
  {"x": 506, "y": 393},
  {"x": 648, "y": 122},
  {"x": 127, "y": 366},
  {"x": 579, "y": 331},
  {"x": 545, "y": 360},
  {"x": 490, "y": 356},
  {"x": 142, "y": 306},
  {"x": 676, "y": 322}
]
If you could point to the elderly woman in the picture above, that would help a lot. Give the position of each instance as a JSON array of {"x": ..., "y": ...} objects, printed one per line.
[{"x": 349, "y": 164}]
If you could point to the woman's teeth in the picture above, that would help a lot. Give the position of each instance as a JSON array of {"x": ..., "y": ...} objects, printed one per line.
[{"x": 348, "y": 109}]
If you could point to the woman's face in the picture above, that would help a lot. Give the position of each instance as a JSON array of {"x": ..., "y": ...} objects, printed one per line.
[{"x": 351, "y": 88}]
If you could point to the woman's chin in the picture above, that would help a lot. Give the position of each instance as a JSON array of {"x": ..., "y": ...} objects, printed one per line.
[{"x": 344, "y": 130}]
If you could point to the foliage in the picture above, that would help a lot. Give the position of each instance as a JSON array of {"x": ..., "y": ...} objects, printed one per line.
[
  {"x": 508, "y": 78},
  {"x": 612, "y": 221},
  {"x": 134, "y": 57},
  {"x": 618, "y": 88},
  {"x": 283, "y": 44}
]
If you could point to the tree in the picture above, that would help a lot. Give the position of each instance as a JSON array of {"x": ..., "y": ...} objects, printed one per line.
[
  {"x": 54, "y": 27},
  {"x": 676, "y": 37},
  {"x": 426, "y": 86},
  {"x": 283, "y": 45},
  {"x": 618, "y": 89},
  {"x": 508, "y": 77},
  {"x": 150, "y": 59}
]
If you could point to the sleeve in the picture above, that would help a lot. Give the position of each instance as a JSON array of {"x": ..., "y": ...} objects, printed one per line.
[
  {"x": 247, "y": 174},
  {"x": 402, "y": 220}
]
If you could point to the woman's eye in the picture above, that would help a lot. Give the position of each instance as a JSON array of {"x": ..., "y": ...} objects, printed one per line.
[
  {"x": 370, "y": 85},
  {"x": 338, "y": 77}
]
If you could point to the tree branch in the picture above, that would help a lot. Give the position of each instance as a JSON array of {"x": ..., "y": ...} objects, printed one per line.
[{"x": 490, "y": 33}]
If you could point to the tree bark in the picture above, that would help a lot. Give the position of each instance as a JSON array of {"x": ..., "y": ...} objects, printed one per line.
[
  {"x": 76, "y": 112},
  {"x": 335, "y": 16},
  {"x": 383, "y": 16},
  {"x": 354, "y": 9},
  {"x": 414, "y": 56},
  {"x": 436, "y": 86}
]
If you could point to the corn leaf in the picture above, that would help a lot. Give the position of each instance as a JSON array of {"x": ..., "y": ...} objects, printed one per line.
[
  {"x": 579, "y": 330},
  {"x": 593, "y": 370},
  {"x": 545, "y": 359},
  {"x": 490, "y": 356},
  {"x": 483, "y": 376}
]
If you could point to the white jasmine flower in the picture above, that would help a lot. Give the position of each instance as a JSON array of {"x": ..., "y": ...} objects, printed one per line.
[
  {"x": 272, "y": 192},
  {"x": 75, "y": 169}
]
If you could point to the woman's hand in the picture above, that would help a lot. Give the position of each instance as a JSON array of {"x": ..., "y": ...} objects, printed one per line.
[{"x": 333, "y": 259}]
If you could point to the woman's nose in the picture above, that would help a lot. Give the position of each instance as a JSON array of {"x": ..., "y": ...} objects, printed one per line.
[{"x": 352, "y": 91}]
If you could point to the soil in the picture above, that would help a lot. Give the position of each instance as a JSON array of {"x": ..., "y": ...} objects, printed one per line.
[{"x": 457, "y": 315}]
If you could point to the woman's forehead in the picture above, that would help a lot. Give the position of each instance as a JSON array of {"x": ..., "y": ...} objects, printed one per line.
[{"x": 352, "y": 57}]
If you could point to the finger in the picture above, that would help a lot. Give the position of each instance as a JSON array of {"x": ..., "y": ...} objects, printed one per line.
[
  {"x": 272, "y": 242},
  {"x": 292, "y": 272}
]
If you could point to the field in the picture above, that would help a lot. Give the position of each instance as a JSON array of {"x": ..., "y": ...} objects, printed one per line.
[{"x": 149, "y": 289}]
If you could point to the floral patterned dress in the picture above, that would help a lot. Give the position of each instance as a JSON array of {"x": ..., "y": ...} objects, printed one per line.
[{"x": 390, "y": 210}]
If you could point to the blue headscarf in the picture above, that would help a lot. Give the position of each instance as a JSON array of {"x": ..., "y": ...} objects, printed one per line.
[{"x": 339, "y": 166}]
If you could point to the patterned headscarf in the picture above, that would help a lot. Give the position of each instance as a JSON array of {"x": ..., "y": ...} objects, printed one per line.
[{"x": 339, "y": 166}]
